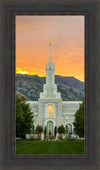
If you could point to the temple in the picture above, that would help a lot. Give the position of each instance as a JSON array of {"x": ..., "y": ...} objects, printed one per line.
[{"x": 50, "y": 111}]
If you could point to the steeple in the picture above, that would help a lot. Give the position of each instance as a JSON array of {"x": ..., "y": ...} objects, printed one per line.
[
  {"x": 50, "y": 88},
  {"x": 50, "y": 61}
]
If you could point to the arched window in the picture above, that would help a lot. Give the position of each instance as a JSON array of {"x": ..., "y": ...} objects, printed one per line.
[
  {"x": 50, "y": 110},
  {"x": 69, "y": 128},
  {"x": 50, "y": 128}
]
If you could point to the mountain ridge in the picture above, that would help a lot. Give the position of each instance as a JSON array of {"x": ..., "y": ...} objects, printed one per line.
[{"x": 30, "y": 86}]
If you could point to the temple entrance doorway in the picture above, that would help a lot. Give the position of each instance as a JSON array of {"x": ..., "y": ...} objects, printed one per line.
[{"x": 50, "y": 128}]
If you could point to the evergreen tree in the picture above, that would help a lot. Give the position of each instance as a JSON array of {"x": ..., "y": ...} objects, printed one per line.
[
  {"x": 79, "y": 121},
  {"x": 24, "y": 117}
]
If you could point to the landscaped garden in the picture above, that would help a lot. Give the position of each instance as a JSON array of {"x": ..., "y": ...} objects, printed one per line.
[
  {"x": 50, "y": 147},
  {"x": 60, "y": 140}
]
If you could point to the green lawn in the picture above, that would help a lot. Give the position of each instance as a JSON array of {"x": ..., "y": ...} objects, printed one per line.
[{"x": 49, "y": 147}]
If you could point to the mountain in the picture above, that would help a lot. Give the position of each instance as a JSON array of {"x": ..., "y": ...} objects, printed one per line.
[{"x": 30, "y": 86}]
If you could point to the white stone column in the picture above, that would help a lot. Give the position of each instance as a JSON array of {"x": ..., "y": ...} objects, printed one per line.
[
  {"x": 57, "y": 136},
  {"x": 42, "y": 136}
]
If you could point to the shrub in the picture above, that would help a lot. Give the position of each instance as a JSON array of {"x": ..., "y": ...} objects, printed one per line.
[
  {"x": 51, "y": 137},
  {"x": 39, "y": 129},
  {"x": 61, "y": 129},
  {"x": 60, "y": 137},
  {"x": 35, "y": 138}
]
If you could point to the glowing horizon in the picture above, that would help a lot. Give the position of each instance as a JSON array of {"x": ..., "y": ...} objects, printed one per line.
[
  {"x": 33, "y": 35},
  {"x": 20, "y": 71}
]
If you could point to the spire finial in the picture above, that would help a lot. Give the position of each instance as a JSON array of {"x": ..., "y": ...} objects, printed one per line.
[
  {"x": 50, "y": 42},
  {"x": 50, "y": 52}
]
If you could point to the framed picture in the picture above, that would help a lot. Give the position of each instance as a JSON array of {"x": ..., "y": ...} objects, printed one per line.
[
  {"x": 49, "y": 85},
  {"x": 51, "y": 94}
]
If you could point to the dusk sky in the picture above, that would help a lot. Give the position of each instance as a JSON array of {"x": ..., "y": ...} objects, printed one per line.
[{"x": 32, "y": 45}]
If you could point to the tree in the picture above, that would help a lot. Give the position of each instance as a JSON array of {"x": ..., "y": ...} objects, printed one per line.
[
  {"x": 39, "y": 129},
  {"x": 24, "y": 117},
  {"x": 61, "y": 129},
  {"x": 79, "y": 121}
]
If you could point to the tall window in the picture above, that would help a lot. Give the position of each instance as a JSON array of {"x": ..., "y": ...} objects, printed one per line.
[
  {"x": 69, "y": 128},
  {"x": 50, "y": 128},
  {"x": 50, "y": 110}
]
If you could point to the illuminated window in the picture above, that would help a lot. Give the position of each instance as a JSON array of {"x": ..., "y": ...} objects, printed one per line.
[{"x": 50, "y": 110}]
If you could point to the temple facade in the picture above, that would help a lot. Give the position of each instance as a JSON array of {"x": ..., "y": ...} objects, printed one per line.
[{"x": 50, "y": 111}]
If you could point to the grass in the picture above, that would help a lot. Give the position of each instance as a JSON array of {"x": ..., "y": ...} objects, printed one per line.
[{"x": 50, "y": 147}]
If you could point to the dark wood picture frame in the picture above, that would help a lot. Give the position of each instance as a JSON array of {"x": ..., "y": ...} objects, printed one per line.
[{"x": 9, "y": 9}]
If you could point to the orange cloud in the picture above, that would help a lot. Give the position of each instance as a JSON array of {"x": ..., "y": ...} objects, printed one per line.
[
  {"x": 32, "y": 45},
  {"x": 23, "y": 71},
  {"x": 20, "y": 71}
]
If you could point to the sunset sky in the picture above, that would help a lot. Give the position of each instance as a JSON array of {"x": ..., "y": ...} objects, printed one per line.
[{"x": 32, "y": 45}]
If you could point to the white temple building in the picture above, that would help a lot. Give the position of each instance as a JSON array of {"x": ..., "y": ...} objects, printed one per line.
[{"x": 50, "y": 111}]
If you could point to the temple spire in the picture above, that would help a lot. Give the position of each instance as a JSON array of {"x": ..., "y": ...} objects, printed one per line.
[{"x": 50, "y": 52}]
